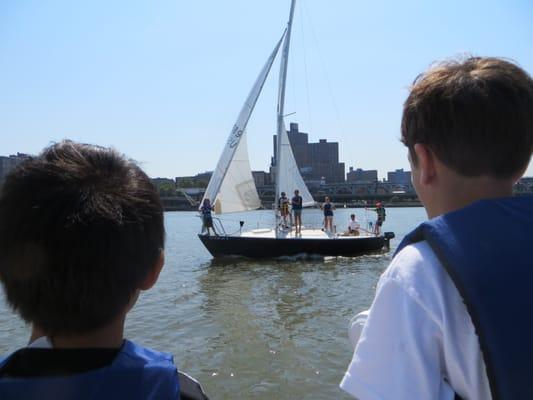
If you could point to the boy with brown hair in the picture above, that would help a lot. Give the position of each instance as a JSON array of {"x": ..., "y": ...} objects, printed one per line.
[
  {"x": 444, "y": 321},
  {"x": 81, "y": 234}
]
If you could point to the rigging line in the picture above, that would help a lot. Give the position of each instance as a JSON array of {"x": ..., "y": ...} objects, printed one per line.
[
  {"x": 294, "y": 74},
  {"x": 324, "y": 69},
  {"x": 366, "y": 217},
  {"x": 305, "y": 70}
]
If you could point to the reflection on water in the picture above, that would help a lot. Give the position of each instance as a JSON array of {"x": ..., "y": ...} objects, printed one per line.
[
  {"x": 252, "y": 329},
  {"x": 282, "y": 324}
]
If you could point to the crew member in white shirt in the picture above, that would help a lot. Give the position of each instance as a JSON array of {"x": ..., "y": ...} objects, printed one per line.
[
  {"x": 418, "y": 339},
  {"x": 353, "y": 226}
]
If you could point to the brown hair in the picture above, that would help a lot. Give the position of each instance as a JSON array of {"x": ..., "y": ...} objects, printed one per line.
[
  {"x": 80, "y": 228},
  {"x": 475, "y": 114}
]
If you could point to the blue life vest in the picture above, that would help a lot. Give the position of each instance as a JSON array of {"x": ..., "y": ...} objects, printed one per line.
[
  {"x": 486, "y": 248},
  {"x": 297, "y": 202},
  {"x": 135, "y": 373}
]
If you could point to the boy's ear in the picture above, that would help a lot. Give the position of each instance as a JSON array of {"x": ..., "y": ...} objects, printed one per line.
[
  {"x": 426, "y": 163},
  {"x": 153, "y": 274}
]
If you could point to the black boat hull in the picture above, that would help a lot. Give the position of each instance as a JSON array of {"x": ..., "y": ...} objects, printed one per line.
[{"x": 222, "y": 246}]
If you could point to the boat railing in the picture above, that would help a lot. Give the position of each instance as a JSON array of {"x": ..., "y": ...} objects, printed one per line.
[{"x": 218, "y": 226}]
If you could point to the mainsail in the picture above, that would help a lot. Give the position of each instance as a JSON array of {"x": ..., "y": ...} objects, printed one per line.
[
  {"x": 232, "y": 187},
  {"x": 288, "y": 177}
]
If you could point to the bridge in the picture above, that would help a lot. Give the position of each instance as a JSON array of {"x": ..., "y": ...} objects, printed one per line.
[{"x": 351, "y": 194}]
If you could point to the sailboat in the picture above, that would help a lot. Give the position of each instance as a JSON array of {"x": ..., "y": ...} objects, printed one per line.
[{"x": 232, "y": 188}]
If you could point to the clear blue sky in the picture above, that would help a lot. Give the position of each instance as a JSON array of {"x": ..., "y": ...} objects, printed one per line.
[{"x": 163, "y": 81}]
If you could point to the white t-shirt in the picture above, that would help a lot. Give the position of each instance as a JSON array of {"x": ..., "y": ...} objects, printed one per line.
[
  {"x": 353, "y": 225},
  {"x": 42, "y": 342},
  {"x": 418, "y": 341}
]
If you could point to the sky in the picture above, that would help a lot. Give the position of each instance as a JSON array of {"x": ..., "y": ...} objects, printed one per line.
[{"x": 163, "y": 81}]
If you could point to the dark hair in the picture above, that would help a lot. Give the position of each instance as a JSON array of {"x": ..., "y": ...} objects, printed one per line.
[
  {"x": 352, "y": 215},
  {"x": 476, "y": 115},
  {"x": 80, "y": 228}
]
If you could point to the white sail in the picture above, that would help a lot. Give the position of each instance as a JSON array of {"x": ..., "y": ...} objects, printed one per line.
[
  {"x": 238, "y": 192},
  {"x": 233, "y": 173},
  {"x": 288, "y": 177}
]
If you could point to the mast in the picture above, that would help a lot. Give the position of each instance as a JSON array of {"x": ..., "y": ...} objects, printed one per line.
[{"x": 281, "y": 96}]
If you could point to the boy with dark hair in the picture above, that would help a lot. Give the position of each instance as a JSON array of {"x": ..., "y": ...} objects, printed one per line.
[
  {"x": 442, "y": 324},
  {"x": 81, "y": 234}
]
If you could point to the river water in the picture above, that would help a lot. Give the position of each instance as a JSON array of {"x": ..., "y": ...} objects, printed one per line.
[{"x": 272, "y": 329}]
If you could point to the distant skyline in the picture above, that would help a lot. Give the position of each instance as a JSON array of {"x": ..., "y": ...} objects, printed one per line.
[{"x": 163, "y": 81}]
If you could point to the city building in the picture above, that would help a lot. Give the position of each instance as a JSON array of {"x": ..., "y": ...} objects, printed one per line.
[
  {"x": 316, "y": 161},
  {"x": 8, "y": 163},
  {"x": 261, "y": 178},
  {"x": 362, "y": 176},
  {"x": 399, "y": 177}
]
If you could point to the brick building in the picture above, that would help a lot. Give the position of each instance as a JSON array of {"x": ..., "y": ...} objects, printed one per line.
[
  {"x": 316, "y": 161},
  {"x": 362, "y": 176},
  {"x": 399, "y": 177}
]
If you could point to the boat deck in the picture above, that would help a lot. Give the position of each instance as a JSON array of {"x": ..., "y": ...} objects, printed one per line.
[{"x": 307, "y": 233}]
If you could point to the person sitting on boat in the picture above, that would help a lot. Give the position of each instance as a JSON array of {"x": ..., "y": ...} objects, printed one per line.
[
  {"x": 381, "y": 214},
  {"x": 353, "y": 226},
  {"x": 283, "y": 207},
  {"x": 207, "y": 218},
  {"x": 453, "y": 294},
  {"x": 296, "y": 204},
  {"x": 81, "y": 235},
  {"x": 328, "y": 208}
]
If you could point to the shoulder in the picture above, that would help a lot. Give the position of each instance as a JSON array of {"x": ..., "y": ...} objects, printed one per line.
[
  {"x": 190, "y": 388},
  {"x": 142, "y": 354},
  {"x": 415, "y": 263},
  {"x": 400, "y": 335},
  {"x": 420, "y": 275}
]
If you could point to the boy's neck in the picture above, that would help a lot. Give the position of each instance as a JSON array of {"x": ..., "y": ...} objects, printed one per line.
[
  {"x": 109, "y": 336},
  {"x": 458, "y": 193}
]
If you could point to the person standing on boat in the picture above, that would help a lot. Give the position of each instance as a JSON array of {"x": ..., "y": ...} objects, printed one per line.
[
  {"x": 381, "y": 214},
  {"x": 328, "y": 208},
  {"x": 283, "y": 207},
  {"x": 207, "y": 218},
  {"x": 455, "y": 290},
  {"x": 296, "y": 204}
]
